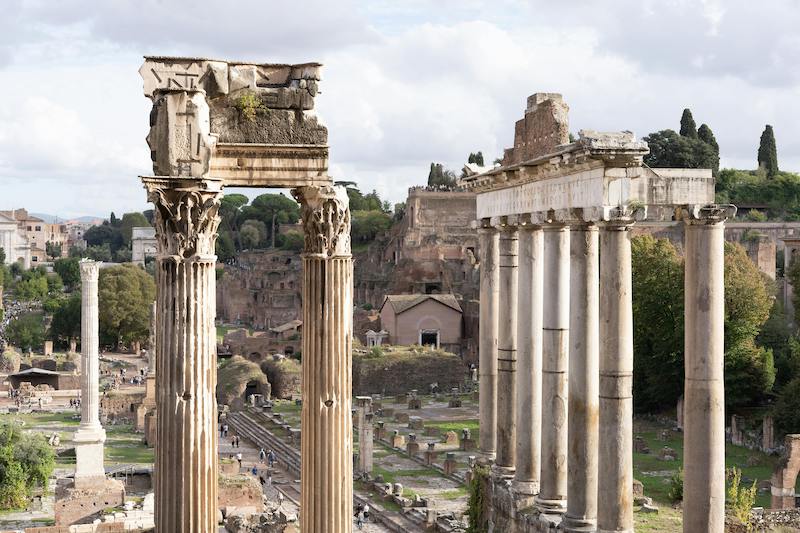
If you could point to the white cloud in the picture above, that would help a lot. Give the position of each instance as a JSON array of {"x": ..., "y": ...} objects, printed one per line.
[{"x": 405, "y": 83}]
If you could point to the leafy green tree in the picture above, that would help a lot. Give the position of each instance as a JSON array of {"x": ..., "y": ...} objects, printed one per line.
[
  {"x": 69, "y": 270},
  {"x": 705, "y": 134},
  {"x": 230, "y": 208},
  {"x": 688, "y": 126},
  {"x": 476, "y": 158},
  {"x": 98, "y": 253},
  {"x": 440, "y": 177},
  {"x": 123, "y": 255},
  {"x": 54, "y": 283},
  {"x": 31, "y": 287},
  {"x": 225, "y": 248},
  {"x": 52, "y": 249},
  {"x": 126, "y": 293},
  {"x": 366, "y": 225},
  {"x": 66, "y": 323},
  {"x": 670, "y": 150},
  {"x": 105, "y": 234},
  {"x": 369, "y": 202},
  {"x": 26, "y": 331},
  {"x": 130, "y": 221},
  {"x": 249, "y": 237},
  {"x": 768, "y": 152},
  {"x": 260, "y": 232},
  {"x": 26, "y": 464},
  {"x": 658, "y": 294},
  {"x": 292, "y": 240}
]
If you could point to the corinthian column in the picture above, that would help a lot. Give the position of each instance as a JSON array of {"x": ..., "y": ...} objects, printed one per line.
[
  {"x": 529, "y": 361},
  {"x": 584, "y": 332},
  {"x": 507, "y": 352},
  {"x": 704, "y": 395},
  {"x": 90, "y": 436},
  {"x": 552, "y": 496},
  {"x": 487, "y": 357},
  {"x": 326, "y": 447},
  {"x": 615, "y": 497},
  {"x": 186, "y": 220}
]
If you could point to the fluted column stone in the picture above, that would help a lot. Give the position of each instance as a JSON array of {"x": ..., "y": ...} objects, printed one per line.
[
  {"x": 327, "y": 444},
  {"x": 529, "y": 360},
  {"x": 186, "y": 221},
  {"x": 704, "y": 394},
  {"x": 90, "y": 436},
  {"x": 555, "y": 365},
  {"x": 584, "y": 332},
  {"x": 489, "y": 240},
  {"x": 615, "y": 496},
  {"x": 507, "y": 352}
]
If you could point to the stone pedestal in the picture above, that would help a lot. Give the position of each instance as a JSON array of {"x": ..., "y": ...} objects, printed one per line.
[
  {"x": 552, "y": 498},
  {"x": 365, "y": 433},
  {"x": 327, "y": 488},
  {"x": 83, "y": 505},
  {"x": 615, "y": 497},
  {"x": 704, "y": 395},
  {"x": 490, "y": 304},
  {"x": 186, "y": 220},
  {"x": 584, "y": 354},
  {"x": 529, "y": 360}
]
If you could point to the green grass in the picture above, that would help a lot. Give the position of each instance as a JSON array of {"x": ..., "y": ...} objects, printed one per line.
[
  {"x": 123, "y": 446},
  {"x": 667, "y": 520},
  {"x": 457, "y": 426},
  {"x": 657, "y": 487},
  {"x": 453, "y": 494}
]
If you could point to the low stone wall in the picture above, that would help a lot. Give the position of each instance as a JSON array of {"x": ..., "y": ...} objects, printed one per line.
[
  {"x": 400, "y": 371},
  {"x": 239, "y": 494},
  {"x": 121, "y": 406}
]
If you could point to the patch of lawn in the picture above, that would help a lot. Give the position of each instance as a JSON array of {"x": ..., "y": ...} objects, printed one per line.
[{"x": 667, "y": 520}]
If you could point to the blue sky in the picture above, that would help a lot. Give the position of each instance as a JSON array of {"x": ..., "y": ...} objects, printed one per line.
[{"x": 405, "y": 83}]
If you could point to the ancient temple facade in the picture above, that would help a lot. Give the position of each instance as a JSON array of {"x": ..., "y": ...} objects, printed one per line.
[
  {"x": 215, "y": 125},
  {"x": 556, "y": 326}
]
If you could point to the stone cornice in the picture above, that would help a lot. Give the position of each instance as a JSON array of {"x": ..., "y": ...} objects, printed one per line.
[{"x": 592, "y": 150}]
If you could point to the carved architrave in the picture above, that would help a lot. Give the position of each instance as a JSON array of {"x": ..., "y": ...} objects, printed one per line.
[
  {"x": 326, "y": 220},
  {"x": 186, "y": 216}
]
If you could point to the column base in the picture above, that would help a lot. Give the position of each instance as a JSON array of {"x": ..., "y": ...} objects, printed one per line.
[
  {"x": 503, "y": 472},
  {"x": 528, "y": 488},
  {"x": 89, "y": 435},
  {"x": 551, "y": 507},
  {"x": 578, "y": 525}
]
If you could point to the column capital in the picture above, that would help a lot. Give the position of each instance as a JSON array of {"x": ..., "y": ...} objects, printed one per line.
[
  {"x": 186, "y": 215},
  {"x": 89, "y": 269},
  {"x": 622, "y": 217},
  {"x": 326, "y": 220},
  {"x": 696, "y": 214}
]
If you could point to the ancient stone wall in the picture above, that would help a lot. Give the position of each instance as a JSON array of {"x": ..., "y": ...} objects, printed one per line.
[
  {"x": 121, "y": 406},
  {"x": 284, "y": 375},
  {"x": 261, "y": 289},
  {"x": 400, "y": 370}
]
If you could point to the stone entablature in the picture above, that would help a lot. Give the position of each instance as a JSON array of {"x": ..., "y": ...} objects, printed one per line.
[
  {"x": 599, "y": 170},
  {"x": 249, "y": 124}
]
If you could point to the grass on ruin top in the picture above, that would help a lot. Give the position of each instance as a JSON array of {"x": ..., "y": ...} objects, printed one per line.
[{"x": 666, "y": 520}]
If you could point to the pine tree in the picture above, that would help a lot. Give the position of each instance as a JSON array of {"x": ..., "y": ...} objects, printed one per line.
[
  {"x": 688, "y": 126},
  {"x": 767, "y": 152},
  {"x": 705, "y": 134}
]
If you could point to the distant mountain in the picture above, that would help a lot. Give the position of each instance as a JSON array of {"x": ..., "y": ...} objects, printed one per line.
[{"x": 51, "y": 219}]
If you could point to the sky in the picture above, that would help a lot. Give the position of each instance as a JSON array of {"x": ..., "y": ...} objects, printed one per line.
[{"x": 405, "y": 82}]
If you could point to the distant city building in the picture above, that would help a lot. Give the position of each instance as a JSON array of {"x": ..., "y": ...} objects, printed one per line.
[
  {"x": 143, "y": 244},
  {"x": 424, "y": 319},
  {"x": 39, "y": 233},
  {"x": 14, "y": 242}
]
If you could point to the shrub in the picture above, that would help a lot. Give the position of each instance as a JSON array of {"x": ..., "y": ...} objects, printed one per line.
[
  {"x": 741, "y": 500},
  {"x": 477, "y": 506},
  {"x": 676, "y": 486}
]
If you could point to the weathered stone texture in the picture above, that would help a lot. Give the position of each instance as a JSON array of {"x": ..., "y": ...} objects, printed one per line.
[{"x": 544, "y": 127}]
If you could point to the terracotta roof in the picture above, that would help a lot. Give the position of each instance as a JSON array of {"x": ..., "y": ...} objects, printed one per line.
[{"x": 403, "y": 302}]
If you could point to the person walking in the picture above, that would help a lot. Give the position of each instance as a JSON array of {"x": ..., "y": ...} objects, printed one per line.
[
  {"x": 366, "y": 512},
  {"x": 360, "y": 520},
  {"x": 271, "y": 458},
  {"x": 262, "y": 455},
  {"x": 239, "y": 458}
]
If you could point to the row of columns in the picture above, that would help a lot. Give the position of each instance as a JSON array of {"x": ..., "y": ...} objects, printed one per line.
[{"x": 556, "y": 364}]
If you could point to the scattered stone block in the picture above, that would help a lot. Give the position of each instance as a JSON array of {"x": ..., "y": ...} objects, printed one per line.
[
  {"x": 638, "y": 489},
  {"x": 416, "y": 422},
  {"x": 401, "y": 418},
  {"x": 640, "y": 445},
  {"x": 649, "y": 508},
  {"x": 667, "y": 454},
  {"x": 398, "y": 440},
  {"x": 451, "y": 438}
]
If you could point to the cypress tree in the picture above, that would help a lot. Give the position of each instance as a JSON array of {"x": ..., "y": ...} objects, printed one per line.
[
  {"x": 705, "y": 134},
  {"x": 767, "y": 152},
  {"x": 688, "y": 126}
]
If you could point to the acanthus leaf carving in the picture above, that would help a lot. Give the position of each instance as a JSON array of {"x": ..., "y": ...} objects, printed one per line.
[
  {"x": 186, "y": 220},
  {"x": 326, "y": 219}
]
